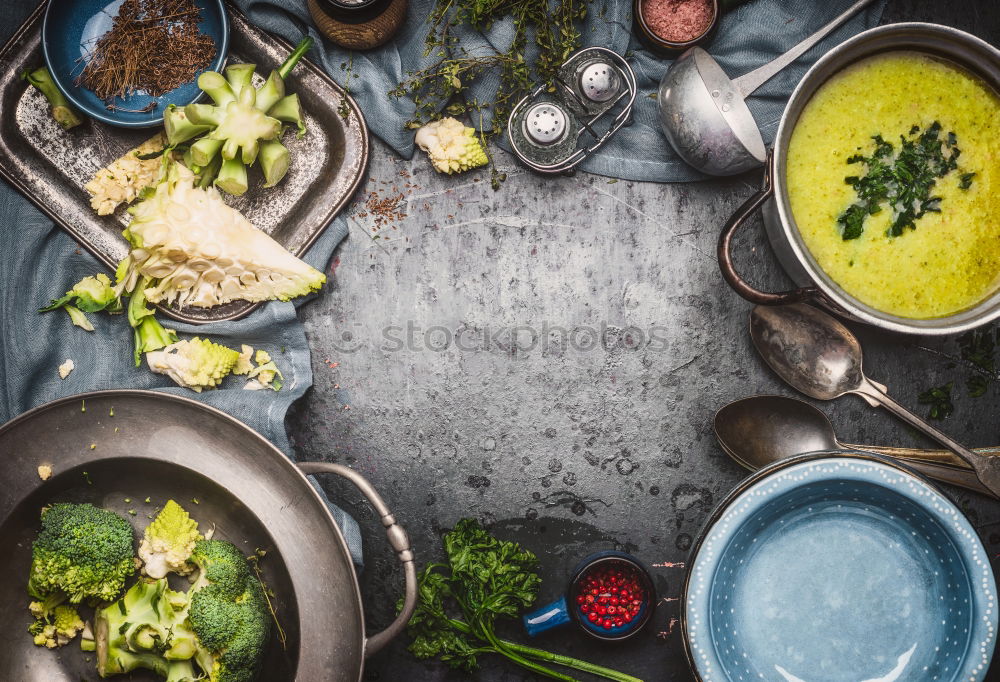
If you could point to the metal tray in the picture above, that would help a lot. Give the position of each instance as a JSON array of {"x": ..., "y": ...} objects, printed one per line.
[{"x": 50, "y": 166}]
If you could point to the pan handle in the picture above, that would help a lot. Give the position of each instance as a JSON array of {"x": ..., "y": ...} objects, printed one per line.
[
  {"x": 397, "y": 538},
  {"x": 739, "y": 285}
]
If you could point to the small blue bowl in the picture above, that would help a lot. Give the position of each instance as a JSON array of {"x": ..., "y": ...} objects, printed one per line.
[
  {"x": 68, "y": 33},
  {"x": 834, "y": 568}
]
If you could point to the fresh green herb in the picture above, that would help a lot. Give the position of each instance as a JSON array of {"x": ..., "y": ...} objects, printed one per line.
[
  {"x": 939, "y": 398},
  {"x": 978, "y": 347},
  {"x": 483, "y": 579},
  {"x": 901, "y": 180},
  {"x": 977, "y": 385},
  {"x": 441, "y": 88}
]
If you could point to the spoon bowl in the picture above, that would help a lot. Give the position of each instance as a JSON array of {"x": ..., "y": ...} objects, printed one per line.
[
  {"x": 808, "y": 349},
  {"x": 703, "y": 112},
  {"x": 759, "y": 430}
]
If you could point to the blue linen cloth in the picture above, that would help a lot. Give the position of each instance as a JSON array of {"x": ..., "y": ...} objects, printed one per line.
[
  {"x": 749, "y": 36},
  {"x": 40, "y": 262}
]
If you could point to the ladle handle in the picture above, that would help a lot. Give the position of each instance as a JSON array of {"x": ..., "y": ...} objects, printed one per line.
[
  {"x": 986, "y": 468},
  {"x": 749, "y": 82},
  {"x": 397, "y": 538},
  {"x": 725, "y": 256}
]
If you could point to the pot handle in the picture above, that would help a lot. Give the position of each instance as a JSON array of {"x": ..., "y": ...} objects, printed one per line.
[
  {"x": 397, "y": 538},
  {"x": 739, "y": 285}
]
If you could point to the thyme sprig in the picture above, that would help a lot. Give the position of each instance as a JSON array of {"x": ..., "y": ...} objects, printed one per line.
[{"x": 442, "y": 88}]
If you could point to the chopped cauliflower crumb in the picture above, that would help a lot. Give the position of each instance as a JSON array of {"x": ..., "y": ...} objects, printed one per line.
[
  {"x": 124, "y": 178},
  {"x": 65, "y": 368},
  {"x": 243, "y": 364},
  {"x": 263, "y": 357},
  {"x": 44, "y": 472}
]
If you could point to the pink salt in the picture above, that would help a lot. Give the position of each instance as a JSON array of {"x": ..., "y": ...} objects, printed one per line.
[{"x": 678, "y": 21}]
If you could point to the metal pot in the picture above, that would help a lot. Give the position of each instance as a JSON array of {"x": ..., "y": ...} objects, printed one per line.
[
  {"x": 969, "y": 52},
  {"x": 115, "y": 448}
]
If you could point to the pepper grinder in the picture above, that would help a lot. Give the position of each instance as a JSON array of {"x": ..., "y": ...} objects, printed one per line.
[{"x": 358, "y": 24}]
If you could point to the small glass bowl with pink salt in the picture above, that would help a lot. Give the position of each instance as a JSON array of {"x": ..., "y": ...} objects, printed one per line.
[{"x": 668, "y": 27}]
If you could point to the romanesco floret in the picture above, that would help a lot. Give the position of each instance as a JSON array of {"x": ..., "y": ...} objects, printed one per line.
[
  {"x": 168, "y": 542},
  {"x": 452, "y": 147},
  {"x": 57, "y": 628},
  {"x": 196, "y": 363}
]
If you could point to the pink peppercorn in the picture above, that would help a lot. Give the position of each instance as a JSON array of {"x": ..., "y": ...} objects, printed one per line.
[{"x": 678, "y": 21}]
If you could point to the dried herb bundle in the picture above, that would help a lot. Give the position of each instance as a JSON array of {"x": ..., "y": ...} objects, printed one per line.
[
  {"x": 442, "y": 86},
  {"x": 153, "y": 45}
]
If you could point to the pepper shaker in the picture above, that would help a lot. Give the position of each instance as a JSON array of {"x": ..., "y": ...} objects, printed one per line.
[{"x": 358, "y": 24}]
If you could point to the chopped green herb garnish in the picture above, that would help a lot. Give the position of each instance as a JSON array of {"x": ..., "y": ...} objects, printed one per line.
[
  {"x": 903, "y": 180},
  {"x": 939, "y": 398},
  {"x": 977, "y": 385}
]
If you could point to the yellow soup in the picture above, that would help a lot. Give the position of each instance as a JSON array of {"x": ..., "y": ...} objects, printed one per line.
[{"x": 951, "y": 259}]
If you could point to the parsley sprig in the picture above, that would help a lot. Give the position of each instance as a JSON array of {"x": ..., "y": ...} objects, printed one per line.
[
  {"x": 903, "y": 180},
  {"x": 482, "y": 580}
]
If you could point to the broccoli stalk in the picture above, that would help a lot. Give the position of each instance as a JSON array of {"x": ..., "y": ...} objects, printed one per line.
[
  {"x": 240, "y": 122},
  {"x": 62, "y": 111},
  {"x": 149, "y": 334},
  {"x": 146, "y": 628}
]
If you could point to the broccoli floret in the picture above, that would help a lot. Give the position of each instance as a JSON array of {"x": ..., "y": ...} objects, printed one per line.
[
  {"x": 168, "y": 542},
  {"x": 228, "y": 613},
  {"x": 146, "y": 628},
  {"x": 82, "y": 552}
]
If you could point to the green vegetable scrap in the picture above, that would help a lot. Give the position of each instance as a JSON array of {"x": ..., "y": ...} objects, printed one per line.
[
  {"x": 196, "y": 363},
  {"x": 451, "y": 146},
  {"x": 62, "y": 111},
  {"x": 168, "y": 542},
  {"x": 939, "y": 398},
  {"x": 483, "y": 579},
  {"x": 89, "y": 295},
  {"x": 244, "y": 124},
  {"x": 902, "y": 180}
]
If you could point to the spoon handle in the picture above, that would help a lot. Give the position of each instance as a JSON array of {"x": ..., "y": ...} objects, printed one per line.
[
  {"x": 986, "y": 468},
  {"x": 749, "y": 82},
  {"x": 922, "y": 455}
]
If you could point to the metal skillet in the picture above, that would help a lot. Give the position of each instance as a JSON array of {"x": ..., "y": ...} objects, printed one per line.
[{"x": 107, "y": 446}]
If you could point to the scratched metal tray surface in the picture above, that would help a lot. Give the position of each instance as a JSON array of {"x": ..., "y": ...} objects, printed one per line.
[{"x": 50, "y": 165}]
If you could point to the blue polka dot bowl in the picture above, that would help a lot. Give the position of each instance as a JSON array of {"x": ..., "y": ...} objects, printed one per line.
[{"x": 839, "y": 568}]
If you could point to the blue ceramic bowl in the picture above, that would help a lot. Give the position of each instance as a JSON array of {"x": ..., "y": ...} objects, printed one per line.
[
  {"x": 831, "y": 568},
  {"x": 69, "y": 31}
]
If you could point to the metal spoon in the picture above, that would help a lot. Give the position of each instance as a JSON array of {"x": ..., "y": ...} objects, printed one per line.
[
  {"x": 762, "y": 429},
  {"x": 820, "y": 357},
  {"x": 703, "y": 113}
]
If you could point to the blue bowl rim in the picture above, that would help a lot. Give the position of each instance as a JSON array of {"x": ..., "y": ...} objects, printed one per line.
[
  {"x": 979, "y": 629},
  {"x": 221, "y": 53}
]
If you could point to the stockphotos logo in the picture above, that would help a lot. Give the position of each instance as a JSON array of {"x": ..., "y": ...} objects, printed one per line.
[{"x": 525, "y": 339}]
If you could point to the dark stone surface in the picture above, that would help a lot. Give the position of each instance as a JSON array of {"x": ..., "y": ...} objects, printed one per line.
[{"x": 501, "y": 403}]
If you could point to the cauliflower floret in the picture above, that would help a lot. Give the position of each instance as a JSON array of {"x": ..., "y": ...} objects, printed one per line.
[
  {"x": 243, "y": 364},
  {"x": 168, "y": 542},
  {"x": 65, "y": 368},
  {"x": 123, "y": 179},
  {"x": 194, "y": 364},
  {"x": 452, "y": 147}
]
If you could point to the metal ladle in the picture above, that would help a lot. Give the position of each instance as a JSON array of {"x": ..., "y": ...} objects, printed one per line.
[
  {"x": 762, "y": 429},
  {"x": 703, "y": 113},
  {"x": 817, "y": 355}
]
